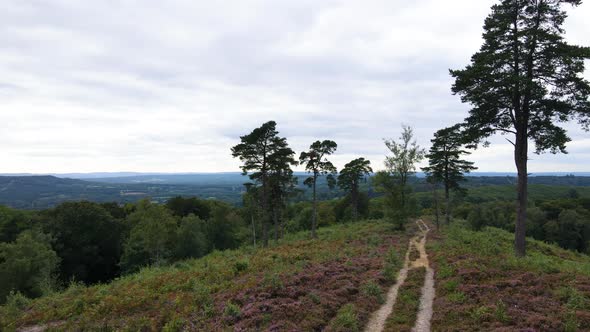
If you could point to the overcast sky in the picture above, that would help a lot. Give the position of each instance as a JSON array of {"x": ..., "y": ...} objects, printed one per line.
[{"x": 169, "y": 86}]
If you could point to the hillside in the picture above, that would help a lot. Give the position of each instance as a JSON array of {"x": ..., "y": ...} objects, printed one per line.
[
  {"x": 299, "y": 283},
  {"x": 40, "y": 192},
  {"x": 482, "y": 286},
  {"x": 334, "y": 283}
]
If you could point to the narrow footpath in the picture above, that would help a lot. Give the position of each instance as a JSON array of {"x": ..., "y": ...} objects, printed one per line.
[{"x": 378, "y": 319}]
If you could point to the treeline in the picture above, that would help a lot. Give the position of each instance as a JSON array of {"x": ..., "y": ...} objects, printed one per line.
[
  {"x": 565, "y": 222},
  {"x": 91, "y": 242},
  {"x": 562, "y": 219},
  {"x": 45, "y": 251}
]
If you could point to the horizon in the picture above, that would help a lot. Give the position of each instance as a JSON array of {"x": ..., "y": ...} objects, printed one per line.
[{"x": 172, "y": 89}]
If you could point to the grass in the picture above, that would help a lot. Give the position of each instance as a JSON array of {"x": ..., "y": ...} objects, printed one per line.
[
  {"x": 407, "y": 304},
  {"x": 346, "y": 320},
  {"x": 481, "y": 285},
  {"x": 298, "y": 283}
]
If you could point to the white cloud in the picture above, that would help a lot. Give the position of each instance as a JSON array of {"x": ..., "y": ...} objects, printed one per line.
[{"x": 170, "y": 86}]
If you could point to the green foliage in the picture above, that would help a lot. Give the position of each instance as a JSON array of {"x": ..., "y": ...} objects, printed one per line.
[
  {"x": 176, "y": 324},
  {"x": 267, "y": 159},
  {"x": 346, "y": 320},
  {"x": 317, "y": 164},
  {"x": 400, "y": 165},
  {"x": 349, "y": 179},
  {"x": 445, "y": 164},
  {"x": 501, "y": 312},
  {"x": 373, "y": 290},
  {"x": 87, "y": 240},
  {"x": 12, "y": 222},
  {"x": 232, "y": 310},
  {"x": 27, "y": 265},
  {"x": 152, "y": 238},
  {"x": 393, "y": 263},
  {"x": 524, "y": 81},
  {"x": 191, "y": 238},
  {"x": 183, "y": 207},
  {"x": 565, "y": 222}
]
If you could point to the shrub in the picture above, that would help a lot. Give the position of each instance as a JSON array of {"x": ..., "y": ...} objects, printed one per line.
[
  {"x": 232, "y": 310},
  {"x": 372, "y": 289},
  {"x": 346, "y": 320}
]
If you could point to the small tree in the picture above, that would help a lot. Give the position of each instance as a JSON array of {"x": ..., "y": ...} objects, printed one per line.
[
  {"x": 402, "y": 164},
  {"x": 317, "y": 164},
  {"x": 351, "y": 176},
  {"x": 27, "y": 265},
  {"x": 524, "y": 81},
  {"x": 263, "y": 152},
  {"x": 445, "y": 163}
]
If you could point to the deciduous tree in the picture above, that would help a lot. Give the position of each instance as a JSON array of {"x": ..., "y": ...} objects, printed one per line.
[{"x": 401, "y": 164}]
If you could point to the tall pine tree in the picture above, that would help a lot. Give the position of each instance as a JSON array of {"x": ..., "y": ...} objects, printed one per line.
[
  {"x": 524, "y": 81},
  {"x": 265, "y": 157},
  {"x": 317, "y": 164}
]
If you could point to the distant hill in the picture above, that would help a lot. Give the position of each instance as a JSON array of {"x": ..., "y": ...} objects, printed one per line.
[{"x": 39, "y": 192}]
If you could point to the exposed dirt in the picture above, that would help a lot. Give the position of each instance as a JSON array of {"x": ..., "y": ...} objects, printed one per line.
[
  {"x": 427, "y": 298},
  {"x": 417, "y": 243},
  {"x": 408, "y": 303}
]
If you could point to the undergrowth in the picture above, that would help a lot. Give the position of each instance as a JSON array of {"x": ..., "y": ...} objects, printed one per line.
[
  {"x": 482, "y": 285},
  {"x": 214, "y": 292}
]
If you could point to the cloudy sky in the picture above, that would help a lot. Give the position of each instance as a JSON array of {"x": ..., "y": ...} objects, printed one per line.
[{"x": 169, "y": 86}]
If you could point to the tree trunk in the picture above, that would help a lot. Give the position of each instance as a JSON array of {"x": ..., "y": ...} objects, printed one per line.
[
  {"x": 265, "y": 233},
  {"x": 314, "y": 217},
  {"x": 265, "y": 214},
  {"x": 354, "y": 198},
  {"x": 275, "y": 218},
  {"x": 521, "y": 158},
  {"x": 253, "y": 230},
  {"x": 447, "y": 205},
  {"x": 436, "y": 207}
]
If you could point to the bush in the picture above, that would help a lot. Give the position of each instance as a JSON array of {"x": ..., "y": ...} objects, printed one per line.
[
  {"x": 232, "y": 311},
  {"x": 346, "y": 320},
  {"x": 372, "y": 289}
]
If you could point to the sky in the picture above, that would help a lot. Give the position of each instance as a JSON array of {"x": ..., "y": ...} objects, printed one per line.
[{"x": 169, "y": 86}]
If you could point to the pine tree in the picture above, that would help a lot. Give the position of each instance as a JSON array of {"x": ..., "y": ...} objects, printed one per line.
[
  {"x": 445, "y": 163},
  {"x": 317, "y": 164},
  {"x": 264, "y": 155},
  {"x": 350, "y": 178},
  {"x": 524, "y": 81}
]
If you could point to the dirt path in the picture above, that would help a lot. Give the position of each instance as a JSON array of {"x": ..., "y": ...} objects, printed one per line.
[
  {"x": 378, "y": 319},
  {"x": 427, "y": 298}
]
